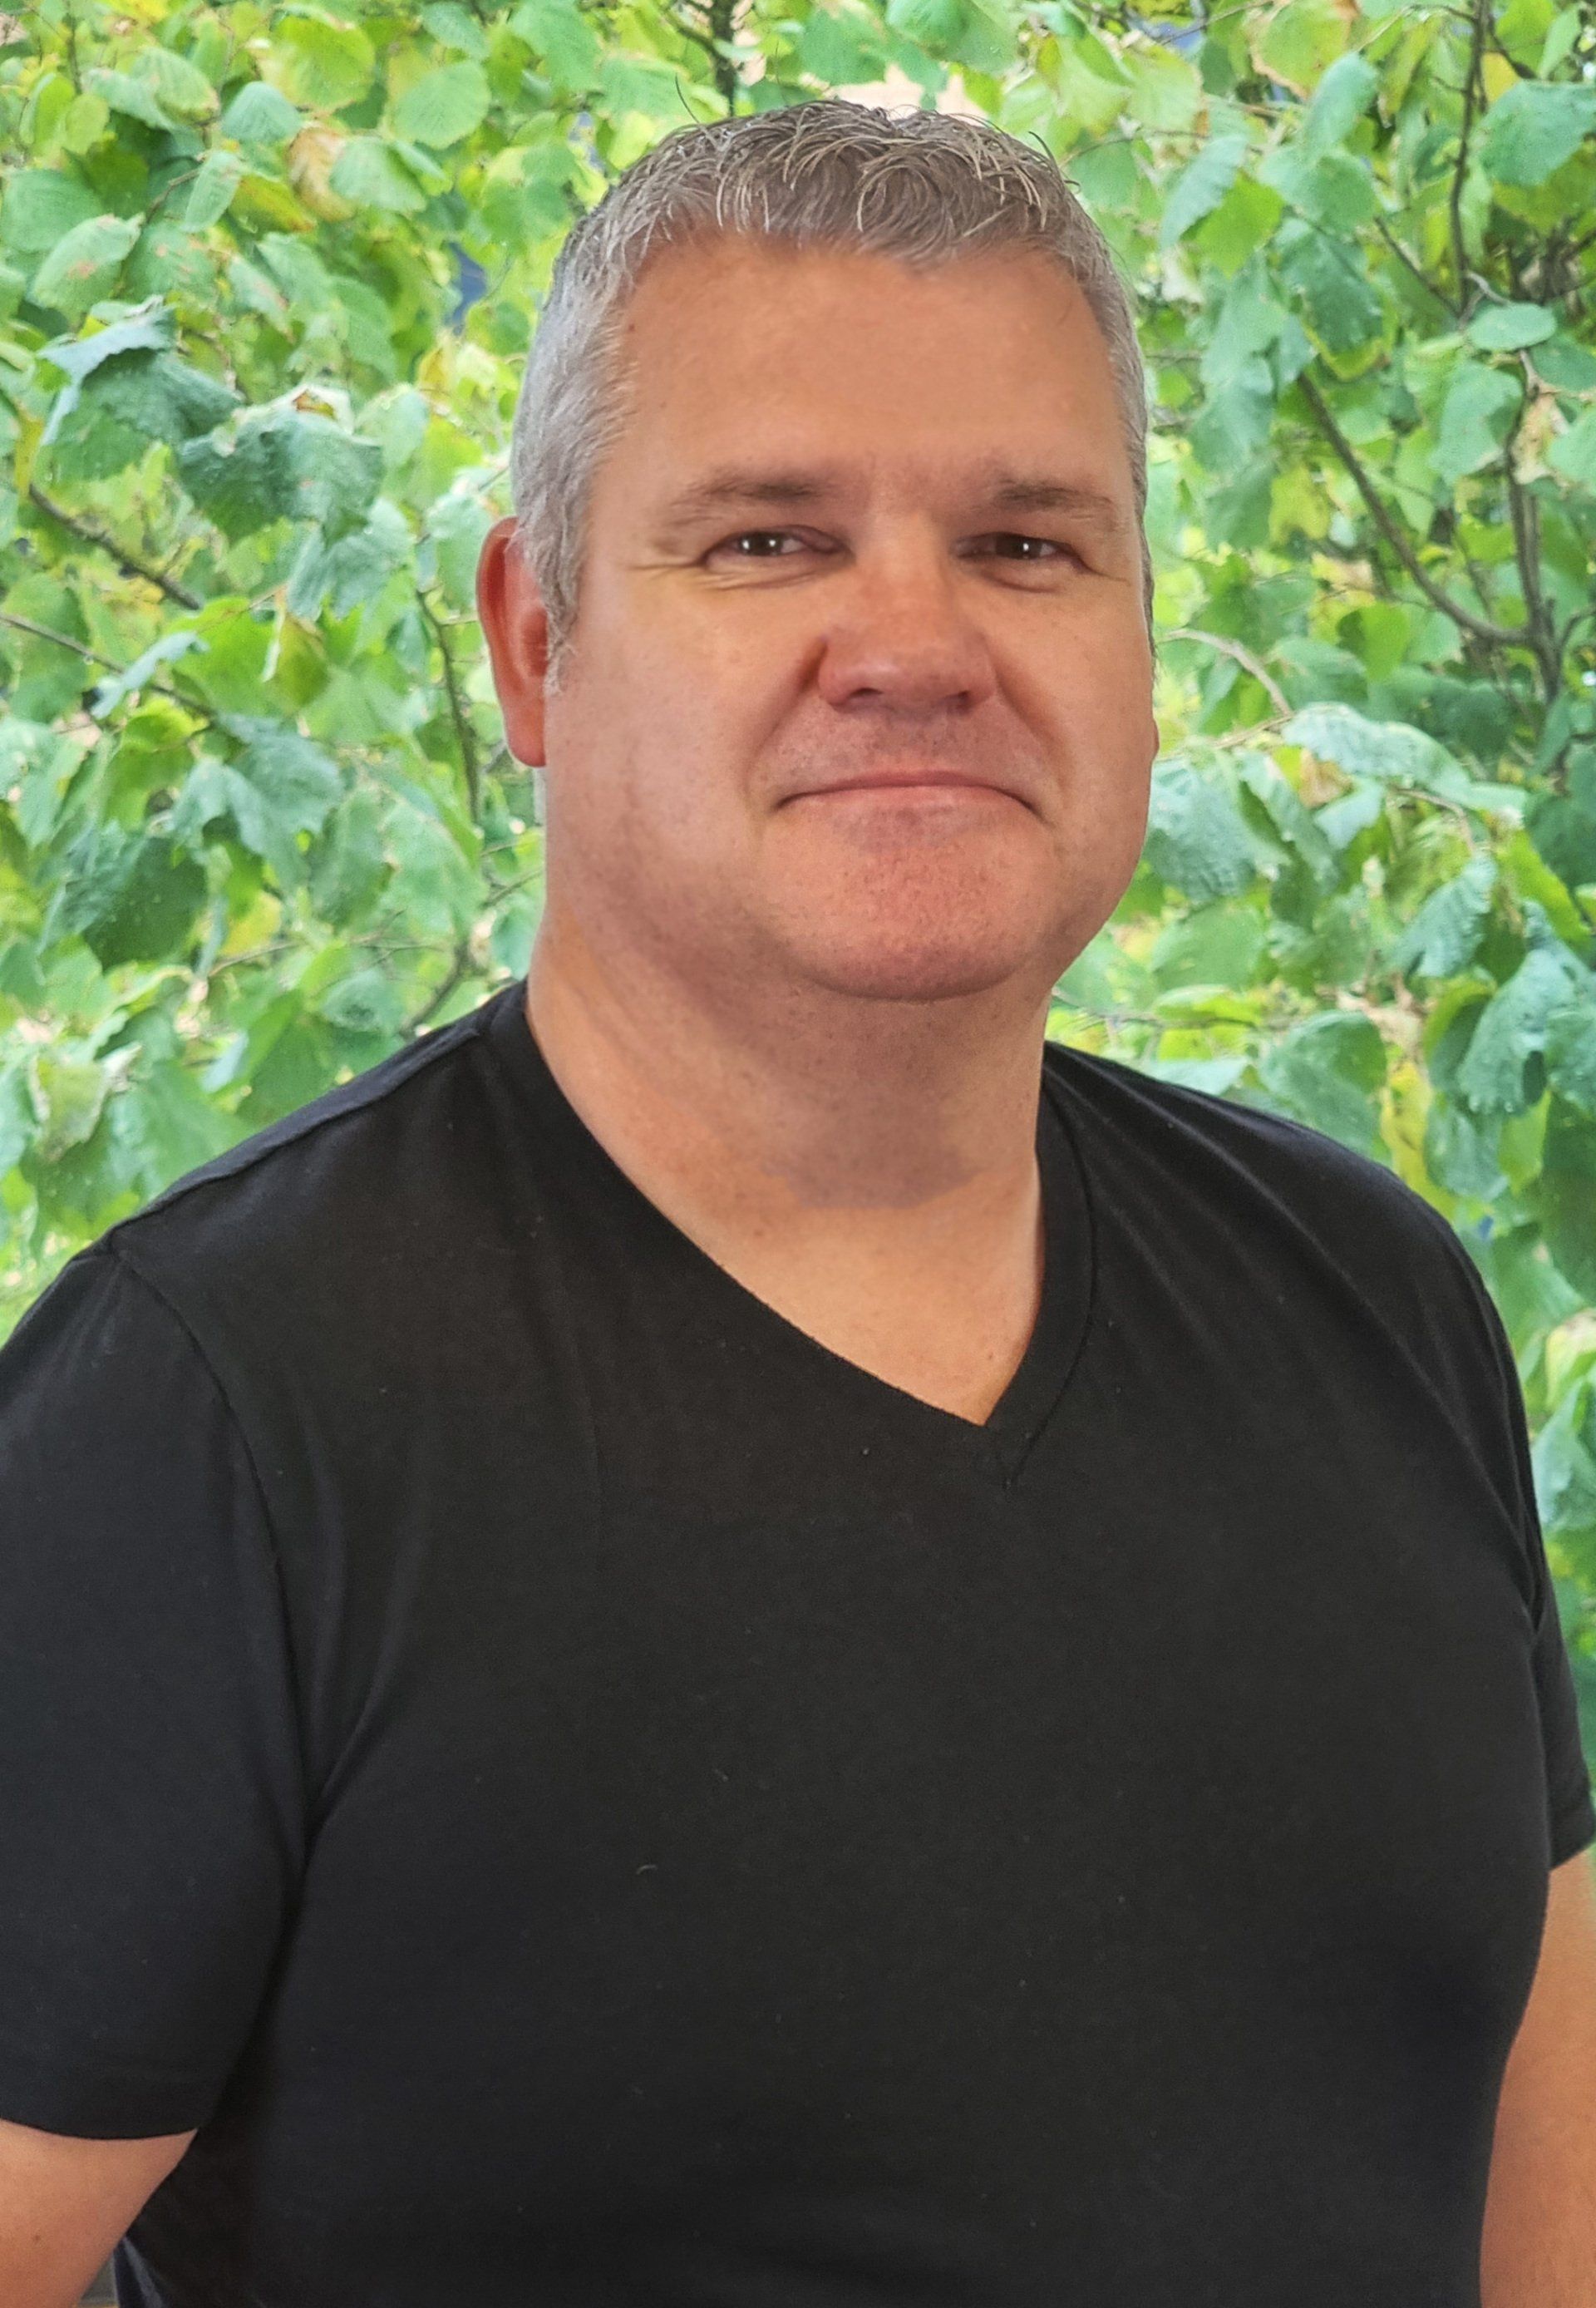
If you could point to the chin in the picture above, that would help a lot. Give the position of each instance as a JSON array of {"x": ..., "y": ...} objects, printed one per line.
[{"x": 935, "y": 970}]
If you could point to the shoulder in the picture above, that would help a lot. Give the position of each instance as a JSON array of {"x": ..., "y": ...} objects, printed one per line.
[
  {"x": 1287, "y": 1199},
  {"x": 364, "y": 1176}
]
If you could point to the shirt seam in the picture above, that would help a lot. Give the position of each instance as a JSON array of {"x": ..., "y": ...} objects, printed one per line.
[
  {"x": 500, "y": 1068},
  {"x": 115, "y": 1252}
]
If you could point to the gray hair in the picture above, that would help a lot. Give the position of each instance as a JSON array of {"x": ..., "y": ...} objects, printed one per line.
[{"x": 923, "y": 188}]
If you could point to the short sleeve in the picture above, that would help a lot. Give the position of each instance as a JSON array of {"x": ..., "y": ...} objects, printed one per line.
[
  {"x": 1571, "y": 1814},
  {"x": 151, "y": 1784}
]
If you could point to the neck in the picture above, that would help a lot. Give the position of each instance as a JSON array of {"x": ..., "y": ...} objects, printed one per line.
[
  {"x": 878, "y": 1188},
  {"x": 798, "y": 1119}
]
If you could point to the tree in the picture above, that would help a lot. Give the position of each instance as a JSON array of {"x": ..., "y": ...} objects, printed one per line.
[{"x": 266, "y": 275}]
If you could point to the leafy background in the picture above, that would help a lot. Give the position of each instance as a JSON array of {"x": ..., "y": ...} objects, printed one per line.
[{"x": 267, "y": 278}]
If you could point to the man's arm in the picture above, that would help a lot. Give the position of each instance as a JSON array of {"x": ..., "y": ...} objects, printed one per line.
[
  {"x": 1539, "y": 2241},
  {"x": 64, "y": 2202}
]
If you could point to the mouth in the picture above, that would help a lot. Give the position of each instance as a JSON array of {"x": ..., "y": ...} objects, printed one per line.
[{"x": 912, "y": 788}]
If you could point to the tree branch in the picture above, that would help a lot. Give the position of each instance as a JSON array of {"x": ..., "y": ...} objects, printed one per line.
[
  {"x": 1421, "y": 277},
  {"x": 457, "y": 707},
  {"x": 1481, "y": 627},
  {"x": 128, "y": 562},
  {"x": 1454, "y": 203},
  {"x": 1526, "y": 538},
  {"x": 82, "y": 648},
  {"x": 61, "y": 641},
  {"x": 1243, "y": 656}
]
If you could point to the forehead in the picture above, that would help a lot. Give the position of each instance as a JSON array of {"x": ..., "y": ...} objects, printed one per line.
[
  {"x": 778, "y": 485},
  {"x": 764, "y": 375}
]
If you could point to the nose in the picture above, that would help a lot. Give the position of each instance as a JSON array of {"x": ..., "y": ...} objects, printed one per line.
[{"x": 901, "y": 630}]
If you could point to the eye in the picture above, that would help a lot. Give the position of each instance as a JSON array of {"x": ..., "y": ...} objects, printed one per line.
[{"x": 1008, "y": 536}]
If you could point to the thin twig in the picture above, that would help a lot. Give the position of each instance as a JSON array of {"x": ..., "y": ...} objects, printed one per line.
[
  {"x": 129, "y": 561},
  {"x": 1481, "y": 627},
  {"x": 1243, "y": 656},
  {"x": 456, "y": 708},
  {"x": 82, "y": 648},
  {"x": 1459, "y": 257},
  {"x": 1419, "y": 275},
  {"x": 61, "y": 641}
]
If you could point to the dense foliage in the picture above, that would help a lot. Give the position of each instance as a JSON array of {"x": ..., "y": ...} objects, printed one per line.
[{"x": 266, "y": 275}]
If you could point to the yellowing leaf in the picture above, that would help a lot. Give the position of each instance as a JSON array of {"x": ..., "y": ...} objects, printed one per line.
[{"x": 1297, "y": 42}]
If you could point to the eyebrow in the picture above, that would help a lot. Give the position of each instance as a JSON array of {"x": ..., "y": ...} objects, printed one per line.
[{"x": 731, "y": 486}]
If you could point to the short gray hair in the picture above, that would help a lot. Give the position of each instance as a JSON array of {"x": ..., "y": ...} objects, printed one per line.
[{"x": 923, "y": 188}]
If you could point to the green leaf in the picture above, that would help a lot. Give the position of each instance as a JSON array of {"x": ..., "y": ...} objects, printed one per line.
[
  {"x": 1506, "y": 328},
  {"x": 348, "y": 868},
  {"x": 1478, "y": 415},
  {"x": 1493, "y": 1077},
  {"x": 1341, "y": 100},
  {"x": 1574, "y": 453},
  {"x": 1533, "y": 128},
  {"x": 50, "y": 679},
  {"x": 321, "y": 65},
  {"x": 211, "y": 194},
  {"x": 78, "y": 357},
  {"x": 1164, "y": 92},
  {"x": 280, "y": 785},
  {"x": 1196, "y": 838},
  {"x": 259, "y": 114},
  {"x": 1326, "y": 1073},
  {"x": 297, "y": 778},
  {"x": 170, "y": 1125},
  {"x": 454, "y": 26},
  {"x": 367, "y": 1000},
  {"x": 1446, "y": 933},
  {"x": 179, "y": 87},
  {"x": 69, "y": 1095},
  {"x": 131, "y": 897},
  {"x": 1236, "y": 422},
  {"x": 1200, "y": 186},
  {"x": 368, "y": 173},
  {"x": 1241, "y": 226},
  {"x": 1561, "y": 35},
  {"x": 435, "y": 887},
  {"x": 455, "y": 527},
  {"x": 1571, "y": 1052},
  {"x": 133, "y": 98},
  {"x": 1297, "y": 42},
  {"x": 1565, "y": 365},
  {"x": 1249, "y": 322},
  {"x": 273, "y": 464},
  {"x": 111, "y": 692},
  {"x": 1393, "y": 752},
  {"x": 83, "y": 267},
  {"x": 17, "y": 1121},
  {"x": 1343, "y": 308},
  {"x": 42, "y": 206},
  {"x": 1565, "y": 1195},
  {"x": 157, "y": 396},
  {"x": 1335, "y": 190},
  {"x": 562, "y": 40},
  {"x": 353, "y": 570},
  {"x": 443, "y": 106},
  {"x": 84, "y": 122}
]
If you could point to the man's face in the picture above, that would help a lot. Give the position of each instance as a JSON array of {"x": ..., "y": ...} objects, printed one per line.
[{"x": 734, "y": 662}]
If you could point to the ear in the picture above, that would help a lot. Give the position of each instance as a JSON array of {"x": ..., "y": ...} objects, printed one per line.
[{"x": 515, "y": 624}]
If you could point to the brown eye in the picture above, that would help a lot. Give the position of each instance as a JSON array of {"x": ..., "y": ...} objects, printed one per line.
[
  {"x": 1008, "y": 536},
  {"x": 743, "y": 534}
]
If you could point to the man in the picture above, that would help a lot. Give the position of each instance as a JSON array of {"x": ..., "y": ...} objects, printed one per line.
[{"x": 729, "y": 1635}]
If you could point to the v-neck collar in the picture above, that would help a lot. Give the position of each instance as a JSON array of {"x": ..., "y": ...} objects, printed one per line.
[{"x": 999, "y": 1444}]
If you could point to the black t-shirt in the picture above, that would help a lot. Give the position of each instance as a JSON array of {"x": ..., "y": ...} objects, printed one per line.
[{"x": 588, "y": 1799}]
